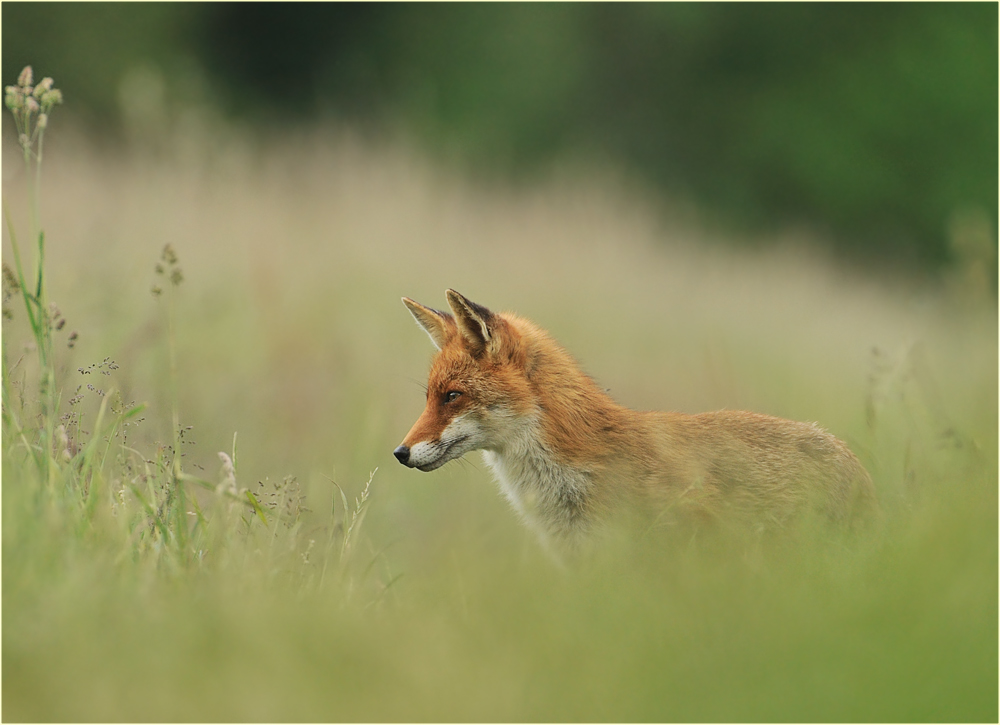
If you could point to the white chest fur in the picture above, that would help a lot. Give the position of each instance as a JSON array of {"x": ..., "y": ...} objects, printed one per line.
[{"x": 550, "y": 496}]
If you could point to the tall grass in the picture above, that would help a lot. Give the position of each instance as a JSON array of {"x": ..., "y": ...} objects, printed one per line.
[
  {"x": 75, "y": 471},
  {"x": 220, "y": 550}
]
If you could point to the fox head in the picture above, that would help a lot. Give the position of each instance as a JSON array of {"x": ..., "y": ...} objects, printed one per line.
[{"x": 477, "y": 389}]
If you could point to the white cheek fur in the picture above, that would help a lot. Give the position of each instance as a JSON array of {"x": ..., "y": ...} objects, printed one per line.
[{"x": 458, "y": 438}]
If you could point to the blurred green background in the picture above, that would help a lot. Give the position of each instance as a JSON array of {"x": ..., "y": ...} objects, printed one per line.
[
  {"x": 310, "y": 164},
  {"x": 872, "y": 125}
]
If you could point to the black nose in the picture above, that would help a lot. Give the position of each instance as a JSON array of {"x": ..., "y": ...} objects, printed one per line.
[{"x": 402, "y": 454}]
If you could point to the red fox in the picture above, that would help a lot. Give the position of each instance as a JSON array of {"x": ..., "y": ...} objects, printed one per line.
[{"x": 567, "y": 456}]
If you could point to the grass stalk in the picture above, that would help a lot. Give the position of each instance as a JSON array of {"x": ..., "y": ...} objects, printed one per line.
[{"x": 30, "y": 106}]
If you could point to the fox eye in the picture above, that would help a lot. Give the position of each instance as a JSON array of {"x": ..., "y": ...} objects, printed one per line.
[{"x": 450, "y": 396}]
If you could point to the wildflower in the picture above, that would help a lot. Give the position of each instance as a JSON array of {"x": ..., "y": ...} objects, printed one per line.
[{"x": 24, "y": 80}]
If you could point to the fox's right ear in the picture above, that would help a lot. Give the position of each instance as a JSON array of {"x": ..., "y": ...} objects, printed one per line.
[{"x": 438, "y": 325}]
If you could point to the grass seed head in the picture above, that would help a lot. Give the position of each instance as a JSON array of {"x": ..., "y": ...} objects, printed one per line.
[
  {"x": 228, "y": 475},
  {"x": 14, "y": 98},
  {"x": 31, "y": 106},
  {"x": 168, "y": 267},
  {"x": 50, "y": 99},
  {"x": 43, "y": 87},
  {"x": 62, "y": 444},
  {"x": 10, "y": 288},
  {"x": 169, "y": 255}
]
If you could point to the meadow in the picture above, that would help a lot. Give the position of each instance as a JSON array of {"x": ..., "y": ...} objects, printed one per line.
[{"x": 305, "y": 576}]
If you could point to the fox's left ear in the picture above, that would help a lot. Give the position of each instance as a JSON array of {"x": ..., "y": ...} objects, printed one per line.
[{"x": 475, "y": 323}]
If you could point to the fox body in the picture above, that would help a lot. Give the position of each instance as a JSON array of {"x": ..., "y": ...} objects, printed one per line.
[{"x": 567, "y": 456}]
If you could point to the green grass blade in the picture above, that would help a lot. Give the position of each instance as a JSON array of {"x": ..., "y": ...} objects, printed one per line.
[{"x": 256, "y": 507}]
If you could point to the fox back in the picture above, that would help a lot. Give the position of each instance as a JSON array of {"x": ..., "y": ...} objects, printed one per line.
[{"x": 568, "y": 457}]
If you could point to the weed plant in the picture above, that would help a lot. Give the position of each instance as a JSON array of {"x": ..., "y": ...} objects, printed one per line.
[
  {"x": 73, "y": 471},
  {"x": 147, "y": 576}
]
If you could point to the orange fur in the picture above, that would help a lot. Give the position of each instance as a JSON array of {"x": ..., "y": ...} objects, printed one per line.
[{"x": 567, "y": 456}]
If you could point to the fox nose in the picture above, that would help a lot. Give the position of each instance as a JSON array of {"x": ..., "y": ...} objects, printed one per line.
[{"x": 402, "y": 454}]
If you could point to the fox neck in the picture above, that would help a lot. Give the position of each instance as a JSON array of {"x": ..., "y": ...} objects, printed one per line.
[
  {"x": 554, "y": 493},
  {"x": 552, "y": 497},
  {"x": 548, "y": 462}
]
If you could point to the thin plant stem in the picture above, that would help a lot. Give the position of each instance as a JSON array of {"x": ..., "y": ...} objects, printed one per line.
[{"x": 177, "y": 473}]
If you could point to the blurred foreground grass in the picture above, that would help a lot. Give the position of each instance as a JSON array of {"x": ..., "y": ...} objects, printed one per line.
[{"x": 289, "y": 333}]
